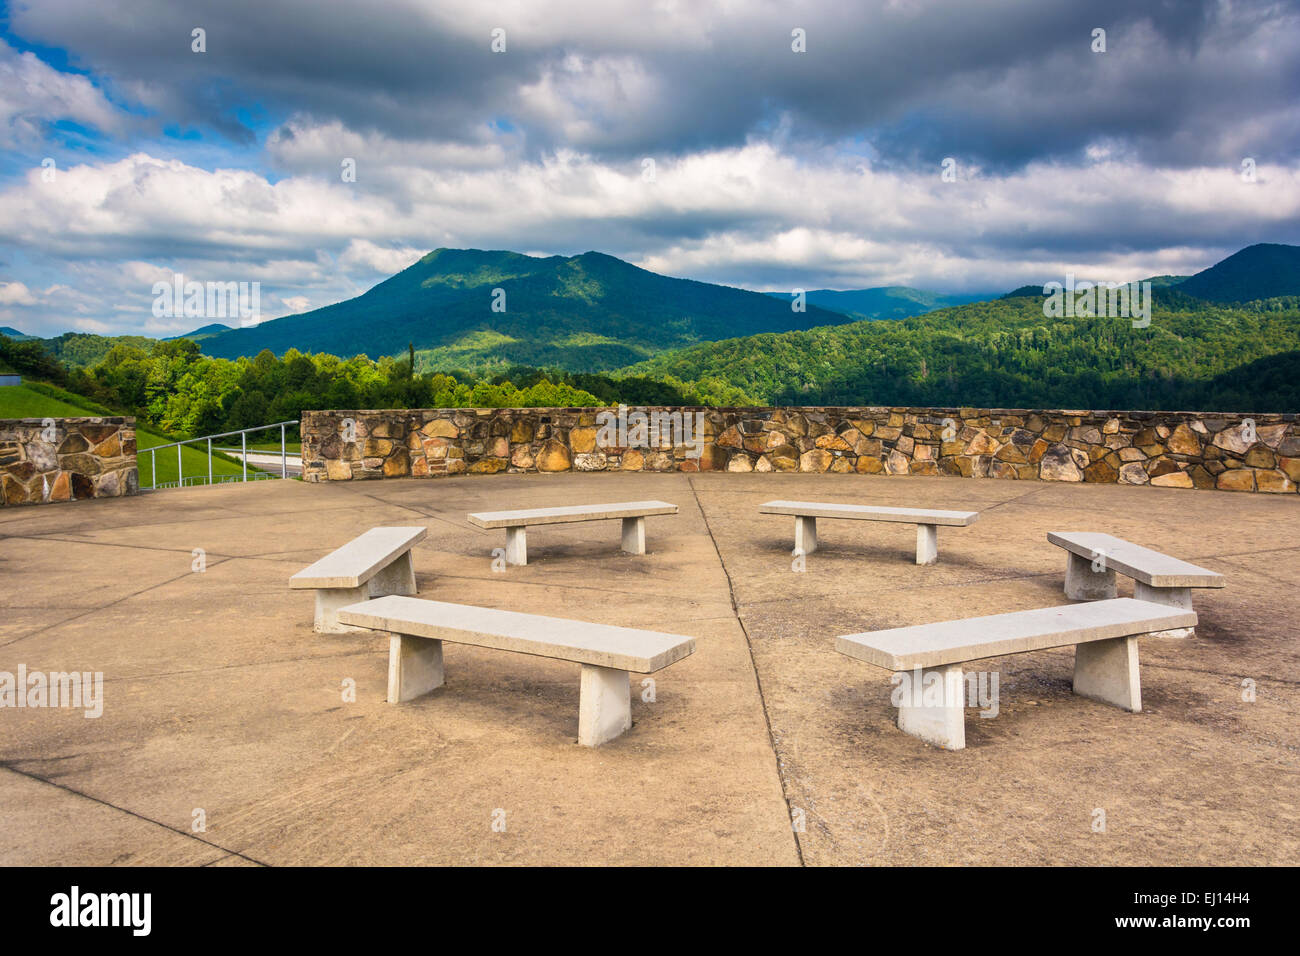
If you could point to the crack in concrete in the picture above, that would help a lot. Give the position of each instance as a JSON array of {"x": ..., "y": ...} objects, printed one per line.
[{"x": 758, "y": 680}]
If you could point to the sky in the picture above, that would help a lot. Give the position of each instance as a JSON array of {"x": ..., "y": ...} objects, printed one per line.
[{"x": 945, "y": 144}]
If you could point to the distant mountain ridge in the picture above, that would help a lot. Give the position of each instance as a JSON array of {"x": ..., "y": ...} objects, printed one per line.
[
  {"x": 474, "y": 309},
  {"x": 199, "y": 334},
  {"x": 470, "y": 308},
  {"x": 1157, "y": 282},
  {"x": 882, "y": 302},
  {"x": 597, "y": 313},
  {"x": 1262, "y": 271}
]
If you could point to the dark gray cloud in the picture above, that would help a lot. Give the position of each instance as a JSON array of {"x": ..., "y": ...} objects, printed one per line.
[{"x": 994, "y": 84}]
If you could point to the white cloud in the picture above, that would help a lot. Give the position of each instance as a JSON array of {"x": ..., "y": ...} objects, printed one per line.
[
  {"x": 15, "y": 293},
  {"x": 296, "y": 303},
  {"x": 364, "y": 254},
  {"x": 36, "y": 94},
  {"x": 764, "y": 215}
]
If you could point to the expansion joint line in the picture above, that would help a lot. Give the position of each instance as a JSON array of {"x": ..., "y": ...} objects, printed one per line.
[
  {"x": 758, "y": 679},
  {"x": 7, "y": 765}
]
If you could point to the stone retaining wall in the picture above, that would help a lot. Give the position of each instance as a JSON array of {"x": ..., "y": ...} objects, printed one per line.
[
  {"x": 1168, "y": 449},
  {"x": 60, "y": 459}
]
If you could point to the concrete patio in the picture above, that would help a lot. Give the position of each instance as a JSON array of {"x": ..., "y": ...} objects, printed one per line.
[{"x": 219, "y": 697}]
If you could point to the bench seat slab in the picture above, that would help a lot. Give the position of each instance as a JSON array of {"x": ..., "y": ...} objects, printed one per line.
[
  {"x": 415, "y": 668},
  {"x": 417, "y": 630},
  {"x": 927, "y": 522},
  {"x": 581, "y": 642},
  {"x": 360, "y": 559},
  {"x": 979, "y": 638},
  {"x": 823, "y": 509},
  {"x": 631, "y": 513},
  {"x": 933, "y": 708},
  {"x": 1132, "y": 560},
  {"x": 567, "y": 514},
  {"x": 1156, "y": 577},
  {"x": 1107, "y": 671}
]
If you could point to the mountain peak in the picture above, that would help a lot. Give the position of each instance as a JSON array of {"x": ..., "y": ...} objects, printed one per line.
[
  {"x": 204, "y": 332},
  {"x": 472, "y": 308},
  {"x": 1262, "y": 271}
]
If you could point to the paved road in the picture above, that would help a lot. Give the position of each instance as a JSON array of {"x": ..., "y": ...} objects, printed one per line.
[{"x": 268, "y": 460}]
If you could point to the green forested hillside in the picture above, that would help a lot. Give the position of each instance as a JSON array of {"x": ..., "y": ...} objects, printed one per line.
[
  {"x": 587, "y": 312},
  {"x": 83, "y": 349},
  {"x": 1005, "y": 353}
]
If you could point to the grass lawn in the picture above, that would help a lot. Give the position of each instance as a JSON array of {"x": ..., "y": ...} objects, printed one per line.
[{"x": 21, "y": 401}]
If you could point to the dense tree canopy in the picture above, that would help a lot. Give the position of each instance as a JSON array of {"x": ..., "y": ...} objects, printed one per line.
[
  {"x": 1006, "y": 353},
  {"x": 173, "y": 386}
]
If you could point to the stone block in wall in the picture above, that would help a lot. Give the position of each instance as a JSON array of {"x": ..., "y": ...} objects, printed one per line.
[{"x": 52, "y": 460}]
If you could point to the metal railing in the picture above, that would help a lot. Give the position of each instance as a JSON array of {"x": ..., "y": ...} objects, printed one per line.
[{"x": 243, "y": 434}]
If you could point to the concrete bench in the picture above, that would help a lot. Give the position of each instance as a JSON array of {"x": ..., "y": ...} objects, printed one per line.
[
  {"x": 927, "y": 522},
  {"x": 1156, "y": 577},
  {"x": 376, "y": 563},
  {"x": 516, "y": 523},
  {"x": 607, "y": 654},
  {"x": 1105, "y": 657}
]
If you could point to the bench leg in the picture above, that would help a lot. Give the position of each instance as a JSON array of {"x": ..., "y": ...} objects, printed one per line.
[
  {"x": 1082, "y": 583},
  {"x": 1180, "y": 598},
  {"x": 397, "y": 578},
  {"x": 414, "y": 666},
  {"x": 927, "y": 544},
  {"x": 805, "y": 534},
  {"x": 605, "y": 704},
  {"x": 517, "y": 545},
  {"x": 328, "y": 602},
  {"x": 1108, "y": 671},
  {"x": 935, "y": 710},
  {"x": 634, "y": 535}
]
